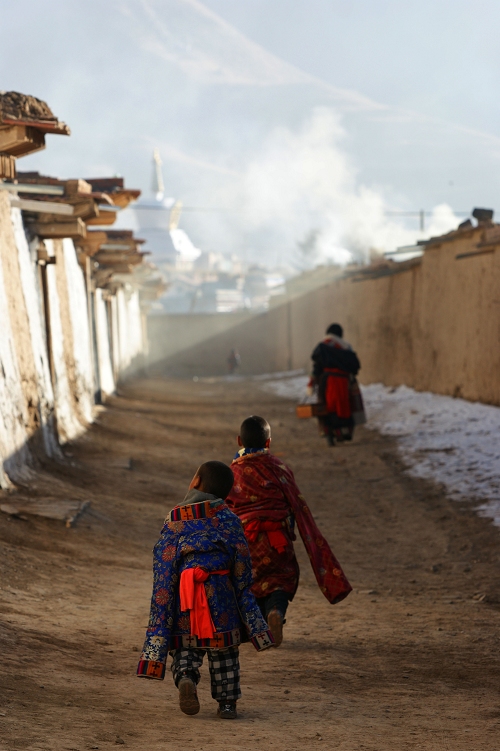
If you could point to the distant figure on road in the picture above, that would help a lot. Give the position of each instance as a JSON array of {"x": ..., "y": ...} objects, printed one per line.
[
  {"x": 202, "y": 601},
  {"x": 335, "y": 366},
  {"x": 269, "y": 503},
  {"x": 233, "y": 361}
]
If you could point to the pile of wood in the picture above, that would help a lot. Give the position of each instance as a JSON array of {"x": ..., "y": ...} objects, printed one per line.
[
  {"x": 115, "y": 188},
  {"x": 121, "y": 251},
  {"x": 24, "y": 122},
  {"x": 45, "y": 218}
]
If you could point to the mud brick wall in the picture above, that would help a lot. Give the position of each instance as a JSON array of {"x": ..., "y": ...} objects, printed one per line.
[{"x": 433, "y": 325}]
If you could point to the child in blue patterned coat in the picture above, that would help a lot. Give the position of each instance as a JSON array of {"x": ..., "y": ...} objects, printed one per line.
[{"x": 202, "y": 603}]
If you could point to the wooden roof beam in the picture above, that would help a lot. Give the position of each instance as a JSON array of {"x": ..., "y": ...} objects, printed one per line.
[
  {"x": 115, "y": 188},
  {"x": 92, "y": 242},
  {"x": 123, "y": 198},
  {"x": 106, "y": 259},
  {"x": 104, "y": 217},
  {"x": 41, "y": 207},
  {"x": 43, "y": 190},
  {"x": 19, "y": 140},
  {"x": 58, "y": 230}
]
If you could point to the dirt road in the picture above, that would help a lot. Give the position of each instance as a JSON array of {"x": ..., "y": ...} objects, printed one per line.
[{"x": 409, "y": 661}]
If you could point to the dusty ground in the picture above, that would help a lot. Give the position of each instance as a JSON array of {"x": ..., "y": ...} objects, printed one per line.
[{"x": 409, "y": 661}]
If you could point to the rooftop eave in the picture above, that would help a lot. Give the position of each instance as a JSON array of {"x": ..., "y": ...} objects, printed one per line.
[
  {"x": 74, "y": 229},
  {"x": 103, "y": 219},
  {"x": 123, "y": 198},
  {"x": 45, "y": 126},
  {"x": 19, "y": 140},
  {"x": 456, "y": 234}
]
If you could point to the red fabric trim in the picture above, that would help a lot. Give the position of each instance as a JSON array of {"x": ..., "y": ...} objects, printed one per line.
[
  {"x": 151, "y": 669},
  {"x": 194, "y": 598},
  {"x": 263, "y": 641}
]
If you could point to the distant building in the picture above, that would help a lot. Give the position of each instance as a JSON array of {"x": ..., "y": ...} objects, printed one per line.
[{"x": 199, "y": 281}]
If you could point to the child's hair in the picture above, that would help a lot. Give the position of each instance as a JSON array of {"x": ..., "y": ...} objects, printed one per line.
[
  {"x": 254, "y": 432},
  {"x": 217, "y": 478},
  {"x": 335, "y": 329}
]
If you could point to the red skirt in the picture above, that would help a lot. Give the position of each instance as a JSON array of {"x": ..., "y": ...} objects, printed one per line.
[{"x": 337, "y": 397}]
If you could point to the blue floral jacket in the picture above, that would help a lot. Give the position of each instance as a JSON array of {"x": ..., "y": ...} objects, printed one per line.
[{"x": 203, "y": 533}]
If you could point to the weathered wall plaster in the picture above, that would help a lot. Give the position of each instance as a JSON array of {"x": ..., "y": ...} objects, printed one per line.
[
  {"x": 14, "y": 452},
  {"x": 29, "y": 276},
  {"x": 69, "y": 425},
  {"x": 433, "y": 326},
  {"x": 77, "y": 300},
  {"x": 40, "y": 409},
  {"x": 103, "y": 345}
]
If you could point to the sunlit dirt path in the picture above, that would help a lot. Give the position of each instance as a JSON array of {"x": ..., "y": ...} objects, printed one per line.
[{"x": 409, "y": 661}]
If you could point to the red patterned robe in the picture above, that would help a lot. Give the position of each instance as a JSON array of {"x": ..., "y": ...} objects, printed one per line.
[{"x": 268, "y": 502}]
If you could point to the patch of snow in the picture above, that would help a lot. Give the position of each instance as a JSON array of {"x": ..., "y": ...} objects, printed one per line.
[
  {"x": 450, "y": 441},
  {"x": 281, "y": 374},
  {"x": 289, "y": 375},
  {"x": 293, "y": 387}
]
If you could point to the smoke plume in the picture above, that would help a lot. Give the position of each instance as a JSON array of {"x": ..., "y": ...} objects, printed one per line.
[{"x": 300, "y": 199}]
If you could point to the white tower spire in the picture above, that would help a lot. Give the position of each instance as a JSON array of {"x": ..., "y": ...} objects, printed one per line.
[{"x": 158, "y": 185}]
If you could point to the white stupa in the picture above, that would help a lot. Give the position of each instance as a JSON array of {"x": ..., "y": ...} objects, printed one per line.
[{"x": 157, "y": 221}]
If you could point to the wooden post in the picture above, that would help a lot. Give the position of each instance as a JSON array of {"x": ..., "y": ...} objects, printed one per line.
[{"x": 422, "y": 220}]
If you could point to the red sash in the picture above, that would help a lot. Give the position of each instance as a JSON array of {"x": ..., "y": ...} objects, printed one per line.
[
  {"x": 337, "y": 392},
  {"x": 194, "y": 598}
]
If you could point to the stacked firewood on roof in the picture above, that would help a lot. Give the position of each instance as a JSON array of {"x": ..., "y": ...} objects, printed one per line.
[{"x": 24, "y": 122}]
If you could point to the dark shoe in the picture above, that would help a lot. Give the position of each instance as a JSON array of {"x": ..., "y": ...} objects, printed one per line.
[
  {"x": 275, "y": 622},
  {"x": 227, "y": 710},
  {"x": 330, "y": 439},
  {"x": 188, "y": 698}
]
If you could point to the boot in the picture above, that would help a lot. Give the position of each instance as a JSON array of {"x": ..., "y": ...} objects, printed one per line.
[
  {"x": 275, "y": 622},
  {"x": 188, "y": 697},
  {"x": 227, "y": 710}
]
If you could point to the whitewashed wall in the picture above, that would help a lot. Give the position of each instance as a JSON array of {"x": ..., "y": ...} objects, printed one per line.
[
  {"x": 84, "y": 377},
  {"x": 103, "y": 345},
  {"x": 32, "y": 403},
  {"x": 135, "y": 328},
  {"x": 130, "y": 336},
  {"x": 32, "y": 297},
  {"x": 116, "y": 338},
  {"x": 69, "y": 425},
  {"x": 122, "y": 326},
  {"x": 14, "y": 453}
]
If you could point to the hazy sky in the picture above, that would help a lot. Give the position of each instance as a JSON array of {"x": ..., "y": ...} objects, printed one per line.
[{"x": 295, "y": 115}]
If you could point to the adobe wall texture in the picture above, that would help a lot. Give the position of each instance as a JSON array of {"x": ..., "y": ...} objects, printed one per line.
[
  {"x": 14, "y": 414},
  {"x": 43, "y": 406},
  {"x": 73, "y": 291},
  {"x": 433, "y": 325}
]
